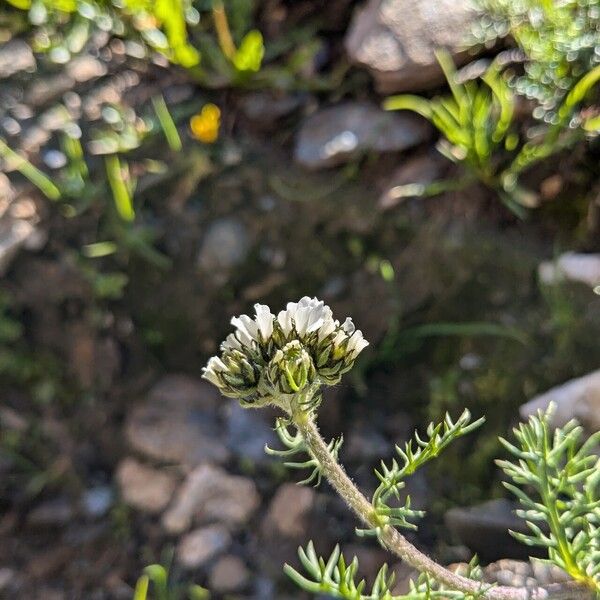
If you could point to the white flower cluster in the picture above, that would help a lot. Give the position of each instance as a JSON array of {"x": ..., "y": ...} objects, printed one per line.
[{"x": 270, "y": 355}]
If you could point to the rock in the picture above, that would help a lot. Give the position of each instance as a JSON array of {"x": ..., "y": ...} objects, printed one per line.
[
  {"x": 583, "y": 268},
  {"x": 44, "y": 90},
  {"x": 396, "y": 40},
  {"x": 97, "y": 501},
  {"x": 366, "y": 443},
  {"x": 84, "y": 68},
  {"x": 15, "y": 56},
  {"x": 211, "y": 494},
  {"x": 229, "y": 575},
  {"x": 289, "y": 511},
  {"x": 225, "y": 245},
  {"x": 178, "y": 424},
  {"x": 51, "y": 513},
  {"x": 419, "y": 170},
  {"x": 7, "y": 576},
  {"x": 337, "y": 134},
  {"x": 14, "y": 234},
  {"x": 577, "y": 399},
  {"x": 197, "y": 547},
  {"x": 266, "y": 108},
  {"x": 484, "y": 529},
  {"x": 144, "y": 488},
  {"x": 248, "y": 434},
  {"x": 518, "y": 573}
]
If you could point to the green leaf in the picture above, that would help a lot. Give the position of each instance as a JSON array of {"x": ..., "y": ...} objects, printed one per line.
[{"x": 248, "y": 57}]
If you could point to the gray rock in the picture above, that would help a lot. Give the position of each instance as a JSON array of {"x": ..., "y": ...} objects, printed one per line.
[
  {"x": 248, "y": 434},
  {"x": 339, "y": 133},
  {"x": 177, "y": 424},
  {"x": 225, "y": 245},
  {"x": 289, "y": 511},
  {"x": 144, "y": 488},
  {"x": 13, "y": 235},
  {"x": 484, "y": 529},
  {"x": 577, "y": 399},
  {"x": 571, "y": 266},
  {"x": 518, "y": 573},
  {"x": 229, "y": 574},
  {"x": 15, "y": 56},
  {"x": 51, "y": 513},
  {"x": 418, "y": 170},
  {"x": 7, "y": 576},
  {"x": 396, "y": 40},
  {"x": 97, "y": 501},
  {"x": 84, "y": 68},
  {"x": 365, "y": 443},
  {"x": 211, "y": 494},
  {"x": 201, "y": 545},
  {"x": 46, "y": 89},
  {"x": 266, "y": 107}
]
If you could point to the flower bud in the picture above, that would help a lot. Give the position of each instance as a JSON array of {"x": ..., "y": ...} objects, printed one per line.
[
  {"x": 235, "y": 374},
  {"x": 336, "y": 353},
  {"x": 291, "y": 369}
]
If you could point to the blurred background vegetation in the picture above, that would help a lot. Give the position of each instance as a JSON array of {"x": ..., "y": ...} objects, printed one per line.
[{"x": 166, "y": 164}]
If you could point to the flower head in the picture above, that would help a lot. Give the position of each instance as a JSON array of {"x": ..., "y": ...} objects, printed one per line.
[{"x": 268, "y": 356}]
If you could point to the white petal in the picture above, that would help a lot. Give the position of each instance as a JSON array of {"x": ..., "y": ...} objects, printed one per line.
[
  {"x": 348, "y": 326},
  {"x": 264, "y": 320},
  {"x": 357, "y": 343},
  {"x": 284, "y": 319},
  {"x": 326, "y": 329},
  {"x": 339, "y": 338},
  {"x": 211, "y": 376},
  {"x": 216, "y": 364},
  {"x": 301, "y": 319},
  {"x": 247, "y": 330},
  {"x": 231, "y": 343}
]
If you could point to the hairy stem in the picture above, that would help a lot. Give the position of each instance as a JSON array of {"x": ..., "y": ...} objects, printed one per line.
[{"x": 396, "y": 543}]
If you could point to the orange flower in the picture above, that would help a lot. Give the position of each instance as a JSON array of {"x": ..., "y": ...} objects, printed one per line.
[{"x": 205, "y": 125}]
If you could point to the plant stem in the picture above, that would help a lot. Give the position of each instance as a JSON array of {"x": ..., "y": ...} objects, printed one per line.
[
  {"x": 395, "y": 542},
  {"x": 223, "y": 32}
]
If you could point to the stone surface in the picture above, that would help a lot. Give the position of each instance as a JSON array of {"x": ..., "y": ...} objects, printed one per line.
[
  {"x": 19, "y": 225},
  {"x": 289, "y": 511},
  {"x": 247, "y": 433},
  {"x": 144, "y": 488},
  {"x": 484, "y": 529},
  {"x": 571, "y": 266},
  {"x": 51, "y": 513},
  {"x": 15, "y": 56},
  {"x": 417, "y": 170},
  {"x": 396, "y": 40},
  {"x": 518, "y": 573},
  {"x": 177, "y": 423},
  {"x": 201, "y": 545},
  {"x": 225, "y": 245},
  {"x": 211, "y": 494},
  {"x": 84, "y": 68},
  {"x": 577, "y": 399},
  {"x": 229, "y": 574},
  {"x": 336, "y": 134},
  {"x": 97, "y": 501}
]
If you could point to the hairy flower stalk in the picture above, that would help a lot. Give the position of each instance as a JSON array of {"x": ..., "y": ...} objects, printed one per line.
[{"x": 283, "y": 361}]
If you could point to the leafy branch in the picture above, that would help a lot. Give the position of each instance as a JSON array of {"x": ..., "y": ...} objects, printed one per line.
[
  {"x": 564, "y": 475},
  {"x": 295, "y": 444},
  {"x": 338, "y": 578},
  {"x": 413, "y": 455}
]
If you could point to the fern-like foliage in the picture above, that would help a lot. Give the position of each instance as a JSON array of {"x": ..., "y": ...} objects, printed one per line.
[
  {"x": 556, "y": 478},
  {"x": 339, "y": 578},
  {"x": 296, "y": 446},
  {"x": 413, "y": 455}
]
